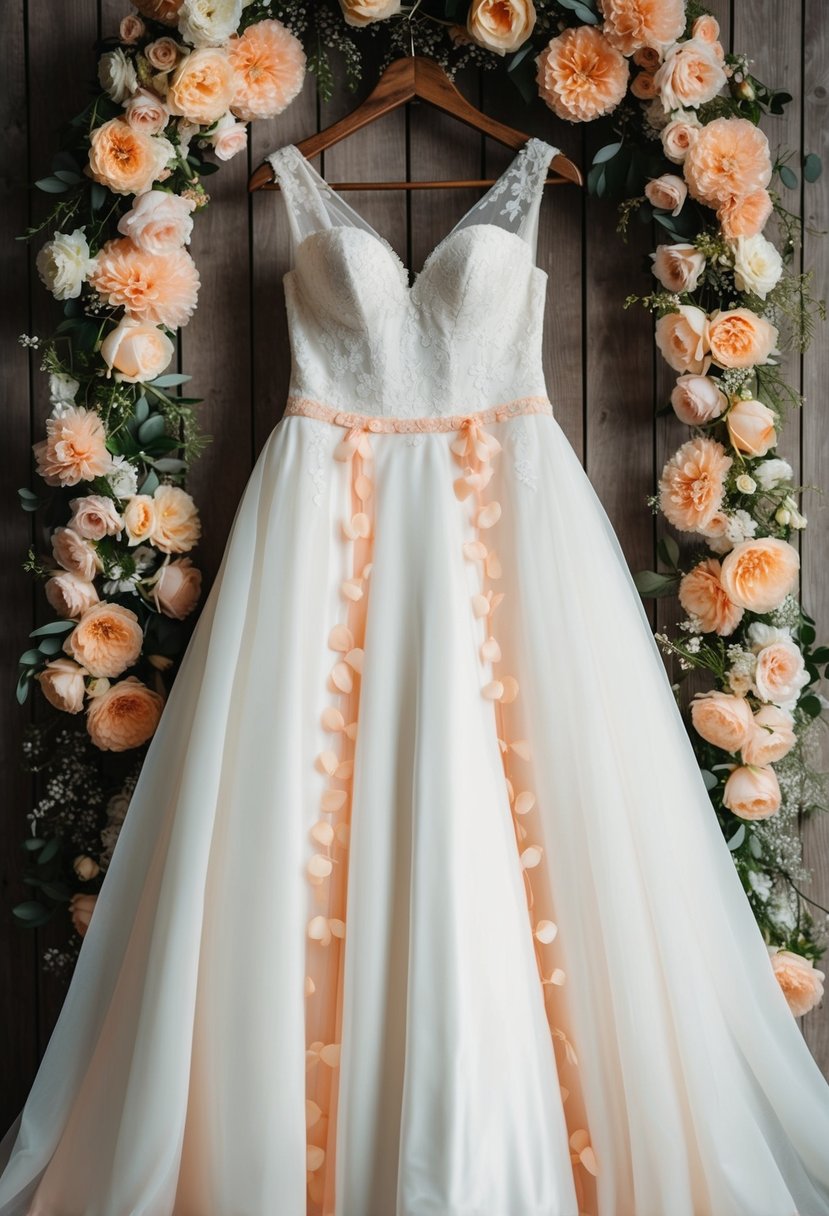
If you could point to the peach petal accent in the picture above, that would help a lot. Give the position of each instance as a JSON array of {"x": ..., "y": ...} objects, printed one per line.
[
  {"x": 489, "y": 515},
  {"x": 521, "y": 748},
  {"x": 491, "y": 651},
  {"x": 323, "y": 833},
  {"x": 332, "y": 719},
  {"x": 341, "y": 677},
  {"x": 333, "y": 800},
  {"x": 493, "y": 691},
  {"x": 327, "y": 762},
  {"x": 313, "y": 1114},
  {"x": 352, "y": 589},
  {"x": 314, "y": 1157},
  {"x": 340, "y": 638},
  {"x": 531, "y": 857},
  {"x": 546, "y": 931},
  {"x": 493, "y": 566},
  {"x": 354, "y": 658},
  {"x": 510, "y": 689},
  {"x": 307, "y": 407},
  {"x": 475, "y": 551},
  {"x": 524, "y": 803},
  {"x": 319, "y": 868}
]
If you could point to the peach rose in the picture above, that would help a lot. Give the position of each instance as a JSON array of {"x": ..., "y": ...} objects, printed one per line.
[
  {"x": 177, "y": 588},
  {"x": 780, "y": 673},
  {"x": 702, "y": 596},
  {"x": 739, "y": 338},
  {"x": 165, "y": 11},
  {"x": 690, "y": 75},
  {"x": 124, "y": 716},
  {"x": 706, "y": 28},
  {"x": 74, "y": 553},
  {"x": 62, "y": 684},
  {"x": 136, "y": 351},
  {"x": 751, "y": 427},
  {"x": 501, "y": 25},
  {"x": 643, "y": 86},
  {"x": 202, "y": 86},
  {"x": 800, "y": 980},
  {"x": 164, "y": 54},
  {"x": 139, "y": 518},
  {"x": 177, "y": 526},
  {"x": 74, "y": 448},
  {"x": 81, "y": 908},
  {"x": 106, "y": 640},
  {"x": 697, "y": 400},
  {"x": 580, "y": 75},
  {"x": 229, "y": 138},
  {"x": 364, "y": 12},
  {"x": 759, "y": 574},
  {"x": 145, "y": 111},
  {"x": 667, "y": 193},
  {"x": 124, "y": 160},
  {"x": 730, "y": 157},
  {"x": 159, "y": 222},
  {"x": 745, "y": 215},
  {"x": 70, "y": 595},
  {"x": 772, "y": 736},
  {"x": 160, "y": 289},
  {"x": 269, "y": 69},
  {"x": 95, "y": 516},
  {"x": 691, "y": 485},
  {"x": 681, "y": 338},
  {"x": 678, "y": 135},
  {"x": 722, "y": 719},
  {"x": 678, "y": 267},
  {"x": 86, "y": 867},
  {"x": 630, "y": 25},
  {"x": 131, "y": 29},
  {"x": 752, "y": 793},
  {"x": 647, "y": 57}
]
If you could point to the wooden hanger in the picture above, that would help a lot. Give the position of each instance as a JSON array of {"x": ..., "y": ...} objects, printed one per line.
[{"x": 406, "y": 79}]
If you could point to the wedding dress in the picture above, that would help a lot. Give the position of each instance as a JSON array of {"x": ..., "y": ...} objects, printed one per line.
[{"x": 420, "y": 907}]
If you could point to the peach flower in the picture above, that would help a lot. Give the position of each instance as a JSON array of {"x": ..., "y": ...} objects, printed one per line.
[
  {"x": 722, "y": 719},
  {"x": 702, "y": 596},
  {"x": 131, "y": 29},
  {"x": 176, "y": 528},
  {"x": 86, "y": 867},
  {"x": 690, "y": 75},
  {"x": 739, "y": 338},
  {"x": 751, "y": 427},
  {"x": 729, "y": 158},
  {"x": 95, "y": 517},
  {"x": 165, "y": 11},
  {"x": 706, "y": 28},
  {"x": 159, "y": 222},
  {"x": 160, "y": 289},
  {"x": 630, "y": 25},
  {"x": 202, "y": 86},
  {"x": 745, "y": 215},
  {"x": 501, "y": 25},
  {"x": 124, "y": 716},
  {"x": 678, "y": 267},
  {"x": 70, "y": 595},
  {"x": 681, "y": 338},
  {"x": 74, "y": 448},
  {"x": 81, "y": 908},
  {"x": 667, "y": 193},
  {"x": 106, "y": 640},
  {"x": 752, "y": 793},
  {"x": 780, "y": 673},
  {"x": 164, "y": 53},
  {"x": 772, "y": 736},
  {"x": 697, "y": 400},
  {"x": 124, "y": 160},
  {"x": 177, "y": 588},
  {"x": 580, "y": 75},
  {"x": 269, "y": 65},
  {"x": 136, "y": 351},
  {"x": 62, "y": 684},
  {"x": 647, "y": 57},
  {"x": 74, "y": 553},
  {"x": 139, "y": 518},
  {"x": 691, "y": 485},
  {"x": 145, "y": 111},
  {"x": 364, "y": 12},
  {"x": 758, "y": 574},
  {"x": 229, "y": 138},
  {"x": 678, "y": 135},
  {"x": 643, "y": 86},
  {"x": 799, "y": 978}
]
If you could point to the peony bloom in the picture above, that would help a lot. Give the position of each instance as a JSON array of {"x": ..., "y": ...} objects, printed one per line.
[
  {"x": 63, "y": 263},
  {"x": 681, "y": 338},
  {"x": 81, "y": 908},
  {"x": 136, "y": 351},
  {"x": 145, "y": 111},
  {"x": 150, "y": 287},
  {"x": 69, "y": 595},
  {"x": 759, "y": 574},
  {"x": 722, "y": 719},
  {"x": 124, "y": 716},
  {"x": 116, "y": 75},
  {"x": 165, "y": 11},
  {"x": 229, "y": 138},
  {"x": 74, "y": 553},
  {"x": 752, "y": 793},
  {"x": 702, "y": 596},
  {"x": 209, "y": 22},
  {"x": 691, "y": 485},
  {"x": 124, "y": 160},
  {"x": 751, "y": 427},
  {"x": 739, "y": 338},
  {"x": 678, "y": 267},
  {"x": 690, "y": 75},
  {"x": 728, "y": 159},
  {"x": 678, "y": 135},
  {"x": 177, "y": 588},
  {"x": 139, "y": 518},
  {"x": 176, "y": 528},
  {"x": 667, "y": 193},
  {"x": 501, "y": 25},
  {"x": 745, "y": 215},
  {"x": 202, "y": 86},
  {"x": 159, "y": 222},
  {"x": 630, "y": 25},
  {"x": 269, "y": 65},
  {"x": 772, "y": 736},
  {"x": 164, "y": 54},
  {"x": 106, "y": 640},
  {"x": 95, "y": 517},
  {"x": 62, "y": 684},
  {"x": 74, "y": 449},
  {"x": 580, "y": 75},
  {"x": 697, "y": 400},
  {"x": 364, "y": 12},
  {"x": 757, "y": 265},
  {"x": 799, "y": 979}
]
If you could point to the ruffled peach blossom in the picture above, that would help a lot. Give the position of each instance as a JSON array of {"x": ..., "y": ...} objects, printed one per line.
[
  {"x": 745, "y": 215},
  {"x": 269, "y": 66},
  {"x": 74, "y": 553},
  {"x": 681, "y": 338},
  {"x": 106, "y": 640},
  {"x": 780, "y": 673},
  {"x": 74, "y": 448},
  {"x": 139, "y": 518},
  {"x": 136, "y": 351},
  {"x": 729, "y": 158},
  {"x": 772, "y": 736},
  {"x": 678, "y": 135},
  {"x": 501, "y": 25},
  {"x": 177, "y": 588},
  {"x": 751, "y": 427},
  {"x": 759, "y": 574},
  {"x": 124, "y": 716},
  {"x": 691, "y": 74},
  {"x": 365, "y": 12},
  {"x": 81, "y": 908},
  {"x": 580, "y": 75},
  {"x": 737, "y": 337},
  {"x": 752, "y": 793},
  {"x": 164, "y": 53},
  {"x": 630, "y": 25},
  {"x": 165, "y": 11},
  {"x": 799, "y": 978},
  {"x": 62, "y": 684},
  {"x": 177, "y": 527},
  {"x": 70, "y": 595},
  {"x": 125, "y": 160},
  {"x": 702, "y": 596},
  {"x": 722, "y": 719},
  {"x": 667, "y": 193},
  {"x": 145, "y": 111},
  {"x": 691, "y": 485},
  {"x": 678, "y": 267},
  {"x": 94, "y": 516},
  {"x": 160, "y": 289},
  {"x": 202, "y": 86},
  {"x": 697, "y": 399}
]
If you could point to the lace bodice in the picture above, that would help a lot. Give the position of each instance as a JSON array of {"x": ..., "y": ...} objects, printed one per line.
[{"x": 465, "y": 335}]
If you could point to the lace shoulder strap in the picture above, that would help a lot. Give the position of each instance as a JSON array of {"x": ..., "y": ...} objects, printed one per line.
[
  {"x": 311, "y": 204},
  {"x": 514, "y": 201}
]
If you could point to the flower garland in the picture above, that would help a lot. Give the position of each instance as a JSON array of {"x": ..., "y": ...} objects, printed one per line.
[{"x": 177, "y": 86}]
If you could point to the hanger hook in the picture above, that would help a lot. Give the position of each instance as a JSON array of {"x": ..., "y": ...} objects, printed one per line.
[{"x": 409, "y": 16}]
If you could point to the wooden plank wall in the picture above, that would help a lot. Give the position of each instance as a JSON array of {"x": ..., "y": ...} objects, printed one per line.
[{"x": 601, "y": 367}]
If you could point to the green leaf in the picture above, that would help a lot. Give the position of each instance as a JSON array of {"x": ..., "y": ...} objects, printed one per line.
[
  {"x": 149, "y": 484},
  {"x": 653, "y": 585},
  {"x": 52, "y": 627},
  {"x": 807, "y": 634},
  {"x": 29, "y": 910},
  {"x": 153, "y": 428},
  {"x": 812, "y": 167},
  {"x": 57, "y": 890},
  {"x": 788, "y": 177},
  {"x": 811, "y": 705},
  {"x": 70, "y": 176},
  {"x": 821, "y": 654},
  {"x": 595, "y": 181},
  {"x": 738, "y": 838},
  {"x": 169, "y": 464},
  {"x": 50, "y": 645},
  {"x": 755, "y": 846},
  {"x": 97, "y": 196},
  {"x": 668, "y": 550},
  {"x": 31, "y": 658},
  {"x": 606, "y": 153},
  {"x": 49, "y": 851},
  {"x": 709, "y": 778},
  {"x": 32, "y": 843},
  {"x": 21, "y": 691},
  {"x": 581, "y": 9},
  {"x": 169, "y": 381},
  {"x": 51, "y": 185}
]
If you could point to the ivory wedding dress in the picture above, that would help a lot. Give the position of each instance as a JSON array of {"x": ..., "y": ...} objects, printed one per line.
[{"x": 420, "y": 907}]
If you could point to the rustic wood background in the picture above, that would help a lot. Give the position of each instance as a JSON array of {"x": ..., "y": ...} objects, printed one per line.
[{"x": 603, "y": 374}]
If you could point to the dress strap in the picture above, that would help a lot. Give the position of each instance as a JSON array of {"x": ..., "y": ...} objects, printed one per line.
[
  {"x": 514, "y": 201},
  {"x": 311, "y": 204}
]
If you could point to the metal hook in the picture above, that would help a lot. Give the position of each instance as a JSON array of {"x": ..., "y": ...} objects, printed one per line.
[{"x": 409, "y": 16}]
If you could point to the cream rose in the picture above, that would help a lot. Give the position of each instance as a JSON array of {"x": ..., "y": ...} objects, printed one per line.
[
  {"x": 678, "y": 135},
  {"x": 145, "y": 111},
  {"x": 667, "y": 193},
  {"x": 136, "y": 351},
  {"x": 799, "y": 979},
  {"x": 759, "y": 574},
  {"x": 751, "y": 427},
  {"x": 159, "y": 222},
  {"x": 176, "y": 528},
  {"x": 678, "y": 267},
  {"x": 106, "y": 640},
  {"x": 681, "y": 338},
  {"x": 62, "y": 684},
  {"x": 724, "y": 720},
  {"x": 229, "y": 138},
  {"x": 70, "y": 595},
  {"x": 74, "y": 553},
  {"x": 501, "y": 25},
  {"x": 116, "y": 75},
  {"x": 739, "y": 338},
  {"x": 124, "y": 716},
  {"x": 772, "y": 736},
  {"x": 697, "y": 400},
  {"x": 95, "y": 517},
  {"x": 63, "y": 264},
  {"x": 209, "y": 22},
  {"x": 757, "y": 265},
  {"x": 690, "y": 75},
  {"x": 177, "y": 587},
  {"x": 202, "y": 86},
  {"x": 364, "y": 12},
  {"x": 780, "y": 673},
  {"x": 773, "y": 473},
  {"x": 139, "y": 518},
  {"x": 163, "y": 54},
  {"x": 752, "y": 793}
]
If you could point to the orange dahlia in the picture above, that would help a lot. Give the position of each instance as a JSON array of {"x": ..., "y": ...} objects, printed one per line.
[
  {"x": 580, "y": 75},
  {"x": 270, "y": 67},
  {"x": 160, "y": 288}
]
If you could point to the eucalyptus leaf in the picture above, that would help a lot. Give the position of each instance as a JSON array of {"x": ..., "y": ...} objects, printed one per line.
[
  {"x": 50, "y": 645},
  {"x": 150, "y": 483},
  {"x": 169, "y": 381},
  {"x": 812, "y": 167},
  {"x": 606, "y": 153},
  {"x": 29, "y": 910},
  {"x": 49, "y": 851},
  {"x": 153, "y": 428},
  {"x": 51, "y": 185},
  {"x": 30, "y": 658},
  {"x": 24, "y": 683},
  {"x": 668, "y": 550},
  {"x": 52, "y": 627},
  {"x": 755, "y": 846},
  {"x": 738, "y": 838},
  {"x": 708, "y": 777},
  {"x": 788, "y": 177},
  {"x": 97, "y": 196},
  {"x": 70, "y": 176},
  {"x": 142, "y": 409},
  {"x": 169, "y": 464},
  {"x": 652, "y": 585},
  {"x": 32, "y": 843}
]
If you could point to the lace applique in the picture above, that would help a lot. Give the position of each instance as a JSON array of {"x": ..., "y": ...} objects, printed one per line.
[
  {"x": 523, "y": 463},
  {"x": 520, "y": 183},
  {"x": 316, "y": 459}
]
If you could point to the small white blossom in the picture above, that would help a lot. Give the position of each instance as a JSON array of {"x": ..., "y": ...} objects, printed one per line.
[
  {"x": 122, "y": 478},
  {"x": 740, "y": 526},
  {"x": 770, "y": 473},
  {"x": 760, "y": 884},
  {"x": 64, "y": 263},
  {"x": 746, "y": 484}
]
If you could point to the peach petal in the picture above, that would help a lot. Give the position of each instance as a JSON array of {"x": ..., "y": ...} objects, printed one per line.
[
  {"x": 493, "y": 691},
  {"x": 327, "y": 762},
  {"x": 498, "y": 597},
  {"x": 510, "y": 689},
  {"x": 493, "y": 566},
  {"x": 345, "y": 770},
  {"x": 313, "y": 1113},
  {"x": 343, "y": 834},
  {"x": 531, "y": 857},
  {"x": 337, "y": 927},
  {"x": 319, "y": 930},
  {"x": 333, "y": 800},
  {"x": 351, "y": 731},
  {"x": 314, "y": 1157},
  {"x": 362, "y": 487},
  {"x": 475, "y": 550},
  {"x": 524, "y": 802},
  {"x": 323, "y": 833},
  {"x": 319, "y": 868},
  {"x": 340, "y": 638},
  {"x": 354, "y": 658},
  {"x": 490, "y": 651},
  {"x": 358, "y": 527},
  {"x": 545, "y": 931},
  {"x": 489, "y": 515},
  {"x": 341, "y": 677},
  {"x": 480, "y": 606},
  {"x": 310, "y": 986},
  {"x": 352, "y": 589},
  {"x": 521, "y": 748},
  {"x": 330, "y": 1054},
  {"x": 462, "y": 488},
  {"x": 332, "y": 719}
]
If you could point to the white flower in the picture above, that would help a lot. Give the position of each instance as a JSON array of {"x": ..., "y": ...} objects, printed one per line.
[
  {"x": 760, "y": 884},
  {"x": 122, "y": 478},
  {"x": 63, "y": 264},
  {"x": 788, "y": 516},
  {"x": 127, "y": 584},
  {"x": 740, "y": 526},
  {"x": 228, "y": 137},
  {"x": 62, "y": 388},
  {"x": 746, "y": 484},
  {"x": 771, "y": 473},
  {"x": 757, "y": 265},
  {"x": 760, "y": 635},
  {"x": 782, "y": 913},
  {"x": 116, "y": 73},
  {"x": 209, "y": 22}
]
